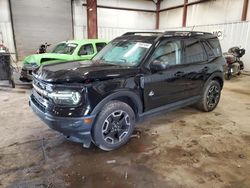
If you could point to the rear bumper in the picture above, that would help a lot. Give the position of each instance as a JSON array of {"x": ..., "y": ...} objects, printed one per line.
[{"x": 74, "y": 129}]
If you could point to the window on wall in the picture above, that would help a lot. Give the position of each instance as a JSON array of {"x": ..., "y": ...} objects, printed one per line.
[
  {"x": 194, "y": 51},
  {"x": 168, "y": 52}
]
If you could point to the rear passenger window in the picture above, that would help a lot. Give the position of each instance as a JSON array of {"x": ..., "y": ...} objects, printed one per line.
[
  {"x": 194, "y": 52},
  {"x": 100, "y": 46}
]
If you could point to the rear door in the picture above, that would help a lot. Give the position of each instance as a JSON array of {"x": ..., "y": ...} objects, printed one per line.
[{"x": 196, "y": 66}]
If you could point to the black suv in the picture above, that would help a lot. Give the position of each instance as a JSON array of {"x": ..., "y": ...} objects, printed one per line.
[{"x": 135, "y": 75}]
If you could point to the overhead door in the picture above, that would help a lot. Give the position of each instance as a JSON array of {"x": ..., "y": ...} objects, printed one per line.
[{"x": 40, "y": 21}]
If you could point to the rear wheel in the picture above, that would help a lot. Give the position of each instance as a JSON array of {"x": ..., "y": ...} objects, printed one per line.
[
  {"x": 210, "y": 97},
  {"x": 114, "y": 125}
]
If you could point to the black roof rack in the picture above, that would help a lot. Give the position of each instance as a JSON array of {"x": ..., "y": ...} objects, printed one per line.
[
  {"x": 143, "y": 33},
  {"x": 186, "y": 33}
]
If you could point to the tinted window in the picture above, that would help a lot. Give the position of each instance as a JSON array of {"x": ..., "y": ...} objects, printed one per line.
[
  {"x": 194, "y": 51},
  {"x": 209, "y": 50},
  {"x": 215, "y": 47},
  {"x": 100, "y": 46},
  {"x": 65, "y": 48},
  {"x": 86, "y": 49},
  {"x": 168, "y": 52}
]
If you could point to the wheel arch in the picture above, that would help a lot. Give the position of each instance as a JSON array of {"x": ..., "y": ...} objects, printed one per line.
[
  {"x": 128, "y": 97},
  {"x": 218, "y": 76}
]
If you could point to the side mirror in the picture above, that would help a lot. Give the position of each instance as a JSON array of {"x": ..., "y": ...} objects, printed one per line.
[{"x": 158, "y": 65}]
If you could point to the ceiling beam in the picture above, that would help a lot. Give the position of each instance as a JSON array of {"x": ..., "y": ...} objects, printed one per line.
[{"x": 181, "y": 6}]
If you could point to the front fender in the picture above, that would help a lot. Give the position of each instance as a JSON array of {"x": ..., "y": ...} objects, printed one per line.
[{"x": 123, "y": 93}]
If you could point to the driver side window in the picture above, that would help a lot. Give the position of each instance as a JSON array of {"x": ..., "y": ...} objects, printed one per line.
[{"x": 168, "y": 52}]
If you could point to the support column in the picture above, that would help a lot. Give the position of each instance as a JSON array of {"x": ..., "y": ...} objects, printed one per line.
[
  {"x": 244, "y": 10},
  {"x": 184, "y": 16},
  {"x": 92, "y": 19},
  {"x": 158, "y": 8}
]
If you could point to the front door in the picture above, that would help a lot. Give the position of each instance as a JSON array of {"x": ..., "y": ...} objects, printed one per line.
[{"x": 165, "y": 86}]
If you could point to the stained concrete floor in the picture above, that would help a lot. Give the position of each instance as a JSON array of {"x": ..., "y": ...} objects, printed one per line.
[{"x": 184, "y": 148}]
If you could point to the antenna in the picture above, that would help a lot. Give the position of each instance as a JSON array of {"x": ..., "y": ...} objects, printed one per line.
[{"x": 193, "y": 28}]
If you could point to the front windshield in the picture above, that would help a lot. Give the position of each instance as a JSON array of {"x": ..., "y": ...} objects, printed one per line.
[
  {"x": 64, "y": 48},
  {"x": 124, "y": 53}
]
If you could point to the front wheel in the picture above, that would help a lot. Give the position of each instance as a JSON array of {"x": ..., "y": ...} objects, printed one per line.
[
  {"x": 210, "y": 97},
  {"x": 114, "y": 125}
]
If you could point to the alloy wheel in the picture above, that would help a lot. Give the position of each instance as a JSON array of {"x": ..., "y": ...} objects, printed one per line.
[
  {"x": 115, "y": 127},
  {"x": 213, "y": 96}
]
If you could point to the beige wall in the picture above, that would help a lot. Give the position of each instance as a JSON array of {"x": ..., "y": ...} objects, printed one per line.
[{"x": 213, "y": 12}]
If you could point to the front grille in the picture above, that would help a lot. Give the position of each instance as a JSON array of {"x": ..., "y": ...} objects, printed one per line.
[
  {"x": 40, "y": 95},
  {"x": 38, "y": 104}
]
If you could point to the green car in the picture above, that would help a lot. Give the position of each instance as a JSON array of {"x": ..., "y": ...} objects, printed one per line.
[{"x": 73, "y": 50}]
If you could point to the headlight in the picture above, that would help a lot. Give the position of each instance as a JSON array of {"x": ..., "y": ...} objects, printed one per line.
[
  {"x": 31, "y": 66},
  {"x": 65, "y": 97}
]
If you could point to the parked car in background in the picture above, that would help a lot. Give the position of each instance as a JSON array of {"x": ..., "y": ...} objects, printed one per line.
[
  {"x": 73, "y": 50},
  {"x": 134, "y": 76}
]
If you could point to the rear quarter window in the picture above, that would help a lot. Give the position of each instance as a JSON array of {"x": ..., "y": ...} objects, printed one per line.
[
  {"x": 215, "y": 45},
  {"x": 194, "y": 51}
]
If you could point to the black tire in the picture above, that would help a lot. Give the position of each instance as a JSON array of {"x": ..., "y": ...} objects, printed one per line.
[
  {"x": 210, "y": 97},
  {"x": 113, "y": 126}
]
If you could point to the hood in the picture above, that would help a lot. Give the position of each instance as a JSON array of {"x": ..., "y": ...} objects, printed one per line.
[
  {"x": 46, "y": 58},
  {"x": 83, "y": 71}
]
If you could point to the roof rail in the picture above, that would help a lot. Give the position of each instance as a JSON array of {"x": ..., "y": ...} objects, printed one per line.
[
  {"x": 143, "y": 33},
  {"x": 186, "y": 33}
]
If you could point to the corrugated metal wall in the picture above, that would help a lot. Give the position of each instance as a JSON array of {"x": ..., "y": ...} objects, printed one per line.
[
  {"x": 234, "y": 34},
  {"x": 36, "y": 22},
  {"x": 112, "y": 23},
  {"x": 6, "y": 34},
  {"x": 110, "y": 33}
]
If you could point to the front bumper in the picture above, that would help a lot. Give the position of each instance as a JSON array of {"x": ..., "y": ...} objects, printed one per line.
[{"x": 74, "y": 129}]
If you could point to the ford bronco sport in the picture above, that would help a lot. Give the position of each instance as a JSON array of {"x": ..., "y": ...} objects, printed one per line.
[{"x": 135, "y": 75}]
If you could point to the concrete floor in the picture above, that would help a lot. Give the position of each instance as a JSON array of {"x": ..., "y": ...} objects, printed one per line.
[{"x": 184, "y": 148}]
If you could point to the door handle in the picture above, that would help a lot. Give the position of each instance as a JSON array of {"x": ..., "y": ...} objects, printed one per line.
[
  {"x": 205, "y": 69},
  {"x": 179, "y": 74}
]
